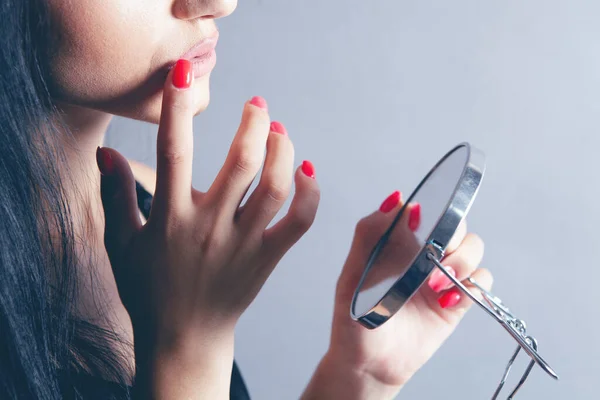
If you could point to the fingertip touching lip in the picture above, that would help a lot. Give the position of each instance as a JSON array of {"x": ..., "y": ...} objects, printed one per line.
[{"x": 201, "y": 49}]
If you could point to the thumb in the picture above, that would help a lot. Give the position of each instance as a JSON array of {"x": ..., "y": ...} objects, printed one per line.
[{"x": 119, "y": 199}]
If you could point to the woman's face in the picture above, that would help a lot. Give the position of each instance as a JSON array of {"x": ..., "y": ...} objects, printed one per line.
[{"x": 114, "y": 55}]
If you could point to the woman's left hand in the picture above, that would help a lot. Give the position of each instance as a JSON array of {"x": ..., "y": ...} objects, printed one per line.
[{"x": 375, "y": 364}]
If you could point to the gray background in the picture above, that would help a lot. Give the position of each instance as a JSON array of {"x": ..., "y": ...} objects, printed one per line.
[{"x": 374, "y": 92}]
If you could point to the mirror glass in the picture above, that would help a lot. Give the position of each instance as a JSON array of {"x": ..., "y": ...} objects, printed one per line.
[{"x": 409, "y": 232}]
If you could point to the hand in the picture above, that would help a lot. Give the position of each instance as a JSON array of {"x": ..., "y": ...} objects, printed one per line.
[
  {"x": 381, "y": 361},
  {"x": 189, "y": 272}
]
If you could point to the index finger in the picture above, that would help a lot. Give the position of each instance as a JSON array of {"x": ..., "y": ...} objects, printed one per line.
[{"x": 174, "y": 145}]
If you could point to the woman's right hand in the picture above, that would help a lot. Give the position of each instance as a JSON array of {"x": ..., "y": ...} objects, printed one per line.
[{"x": 188, "y": 273}]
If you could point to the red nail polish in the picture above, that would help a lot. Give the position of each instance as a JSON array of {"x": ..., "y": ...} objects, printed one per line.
[
  {"x": 278, "y": 127},
  {"x": 259, "y": 102},
  {"x": 391, "y": 202},
  {"x": 182, "y": 76},
  {"x": 105, "y": 161},
  {"x": 439, "y": 281},
  {"x": 414, "y": 219},
  {"x": 308, "y": 169},
  {"x": 450, "y": 298}
]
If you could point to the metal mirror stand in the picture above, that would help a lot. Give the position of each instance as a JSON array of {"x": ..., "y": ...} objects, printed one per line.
[{"x": 496, "y": 309}]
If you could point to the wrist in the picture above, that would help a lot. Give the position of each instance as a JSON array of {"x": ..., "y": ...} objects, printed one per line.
[
  {"x": 191, "y": 366},
  {"x": 335, "y": 378}
]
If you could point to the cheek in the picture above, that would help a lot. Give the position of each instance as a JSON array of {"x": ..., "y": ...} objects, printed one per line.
[{"x": 108, "y": 58}]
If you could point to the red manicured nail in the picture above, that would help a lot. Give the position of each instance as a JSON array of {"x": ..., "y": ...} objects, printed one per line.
[
  {"x": 450, "y": 298},
  {"x": 439, "y": 281},
  {"x": 391, "y": 202},
  {"x": 105, "y": 161},
  {"x": 308, "y": 169},
  {"x": 414, "y": 219},
  {"x": 278, "y": 127},
  {"x": 182, "y": 76},
  {"x": 259, "y": 102}
]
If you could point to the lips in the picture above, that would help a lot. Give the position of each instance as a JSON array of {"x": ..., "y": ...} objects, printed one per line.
[
  {"x": 202, "y": 49},
  {"x": 202, "y": 55}
]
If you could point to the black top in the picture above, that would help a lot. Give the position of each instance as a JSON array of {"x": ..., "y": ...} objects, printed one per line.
[{"x": 238, "y": 389}]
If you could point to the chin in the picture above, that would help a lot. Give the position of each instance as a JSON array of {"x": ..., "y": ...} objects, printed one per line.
[
  {"x": 202, "y": 90},
  {"x": 150, "y": 110},
  {"x": 143, "y": 103}
]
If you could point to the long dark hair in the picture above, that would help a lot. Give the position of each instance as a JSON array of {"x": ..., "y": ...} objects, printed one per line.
[{"x": 43, "y": 346}]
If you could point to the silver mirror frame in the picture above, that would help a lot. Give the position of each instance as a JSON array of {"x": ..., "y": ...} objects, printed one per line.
[
  {"x": 456, "y": 210},
  {"x": 430, "y": 256}
]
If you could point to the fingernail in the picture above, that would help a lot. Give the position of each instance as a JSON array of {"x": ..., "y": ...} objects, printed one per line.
[
  {"x": 391, "y": 202},
  {"x": 259, "y": 102},
  {"x": 105, "y": 161},
  {"x": 414, "y": 219},
  {"x": 449, "y": 299},
  {"x": 182, "y": 76},
  {"x": 308, "y": 169},
  {"x": 439, "y": 281},
  {"x": 278, "y": 127}
]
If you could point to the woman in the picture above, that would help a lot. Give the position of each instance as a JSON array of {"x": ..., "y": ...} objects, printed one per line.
[{"x": 102, "y": 297}]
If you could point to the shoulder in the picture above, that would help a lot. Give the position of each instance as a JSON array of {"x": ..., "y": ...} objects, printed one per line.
[{"x": 144, "y": 174}]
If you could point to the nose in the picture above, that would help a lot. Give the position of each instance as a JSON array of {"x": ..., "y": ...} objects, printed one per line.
[{"x": 207, "y": 9}]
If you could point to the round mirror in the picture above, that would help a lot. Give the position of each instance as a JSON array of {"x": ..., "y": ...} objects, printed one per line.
[
  {"x": 398, "y": 264},
  {"x": 414, "y": 244}
]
